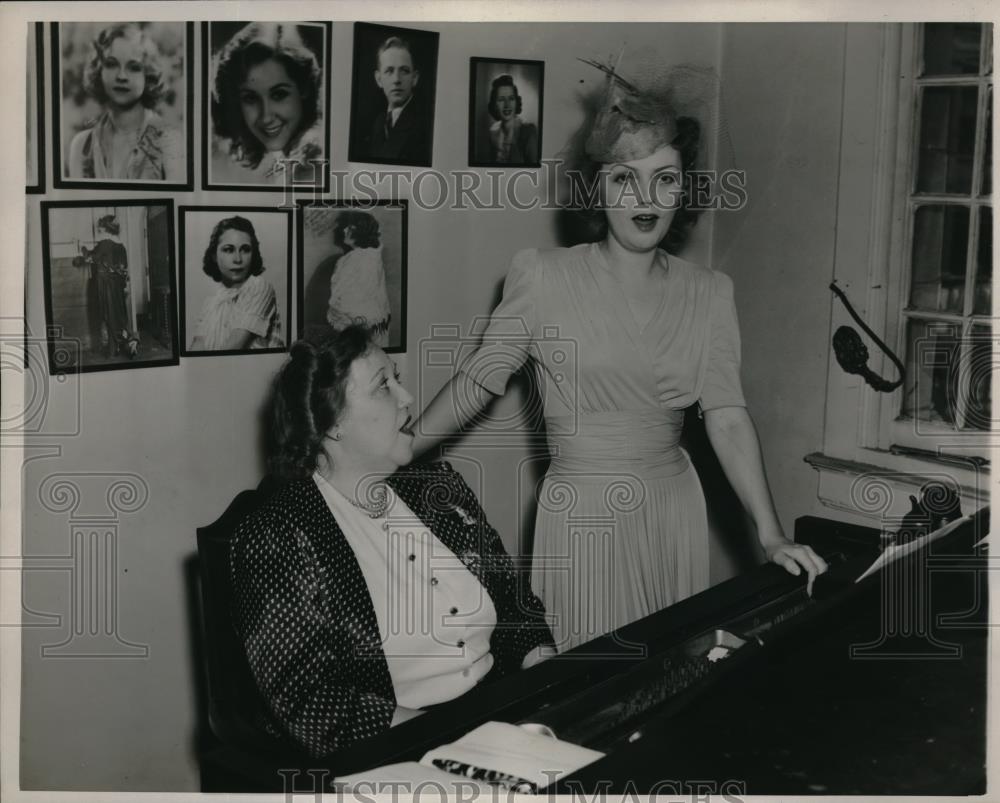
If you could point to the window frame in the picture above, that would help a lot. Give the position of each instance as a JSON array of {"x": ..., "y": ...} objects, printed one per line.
[
  {"x": 871, "y": 264},
  {"x": 893, "y": 429}
]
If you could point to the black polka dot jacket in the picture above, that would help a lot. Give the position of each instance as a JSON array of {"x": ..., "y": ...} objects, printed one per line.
[{"x": 303, "y": 610}]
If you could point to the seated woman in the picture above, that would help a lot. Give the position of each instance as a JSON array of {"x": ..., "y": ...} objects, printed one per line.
[{"x": 364, "y": 591}]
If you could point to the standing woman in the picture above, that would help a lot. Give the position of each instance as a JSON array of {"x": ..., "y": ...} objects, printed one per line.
[
  {"x": 129, "y": 140},
  {"x": 653, "y": 334},
  {"x": 243, "y": 311},
  {"x": 109, "y": 269},
  {"x": 358, "y": 292},
  {"x": 512, "y": 141},
  {"x": 266, "y": 103}
]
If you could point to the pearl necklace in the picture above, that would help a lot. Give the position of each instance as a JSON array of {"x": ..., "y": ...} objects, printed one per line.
[{"x": 377, "y": 509}]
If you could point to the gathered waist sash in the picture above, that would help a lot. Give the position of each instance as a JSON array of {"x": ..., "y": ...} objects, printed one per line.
[{"x": 645, "y": 443}]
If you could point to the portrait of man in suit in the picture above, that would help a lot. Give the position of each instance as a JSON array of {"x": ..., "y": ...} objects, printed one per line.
[{"x": 400, "y": 112}]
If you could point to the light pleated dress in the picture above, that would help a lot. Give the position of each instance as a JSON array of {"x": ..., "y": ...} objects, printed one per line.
[{"x": 621, "y": 528}]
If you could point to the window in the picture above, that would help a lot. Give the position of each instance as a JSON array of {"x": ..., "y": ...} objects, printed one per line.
[
  {"x": 944, "y": 327},
  {"x": 914, "y": 255}
]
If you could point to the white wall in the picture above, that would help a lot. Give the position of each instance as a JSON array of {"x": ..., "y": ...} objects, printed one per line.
[{"x": 783, "y": 87}]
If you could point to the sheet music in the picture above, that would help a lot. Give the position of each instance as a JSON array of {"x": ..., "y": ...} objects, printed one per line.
[
  {"x": 410, "y": 776},
  {"x": 896, "y": 551},
  {"x": 511, "y": 750}
]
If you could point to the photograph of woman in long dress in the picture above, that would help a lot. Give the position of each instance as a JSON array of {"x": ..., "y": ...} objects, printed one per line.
[
  {"x": 122, "y": 110},
  {"x": 266, "y": 123},
  {"x": 110, "y": 296},
  {"x": 108, "y": 265}
]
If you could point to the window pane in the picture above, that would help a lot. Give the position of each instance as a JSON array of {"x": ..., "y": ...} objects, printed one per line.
[
  {"x": 987, "y": 186},
  {"x": 982, "y": 300},
  {"x": 976, "y": 380},
  {"x": 940, "y": 244},
  {"x": 951, "y": 48},
  {"x": 931, "y": 350},
  {"x": 947, "y": 139},
  {"x": 989, "y": 49}
]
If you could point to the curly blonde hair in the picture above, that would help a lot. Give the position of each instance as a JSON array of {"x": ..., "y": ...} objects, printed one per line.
[{"x": 151, "y": 63}]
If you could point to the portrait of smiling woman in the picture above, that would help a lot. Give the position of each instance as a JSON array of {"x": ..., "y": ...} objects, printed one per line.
[
  {"x": 505, "y": 112},
  {"x": 267, "y": 97}
]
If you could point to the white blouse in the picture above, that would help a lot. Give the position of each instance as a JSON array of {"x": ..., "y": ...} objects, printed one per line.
[
  {"x": 251, "y": 306},
  {"x": 435, "y": 618}
]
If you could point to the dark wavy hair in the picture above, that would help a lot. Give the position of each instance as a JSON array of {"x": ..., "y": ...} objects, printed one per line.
[
  {"x": 587, "y": 173},
  {"x": 151, "y": 63},
  {"x": 237, "y": 223},
  {"x": 252, "y": 45},
  {"x": 500, "y": 81},
  {"x": 308, "y": 398},
  {"x": 366, "y": 230},
  {"x": 110, "y": 224}
]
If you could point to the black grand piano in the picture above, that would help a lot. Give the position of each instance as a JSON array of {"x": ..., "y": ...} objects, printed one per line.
[{"x": 870, "y": 687}]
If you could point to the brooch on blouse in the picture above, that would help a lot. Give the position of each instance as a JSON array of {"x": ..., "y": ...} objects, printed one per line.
[{"x": 465, "y": 517}]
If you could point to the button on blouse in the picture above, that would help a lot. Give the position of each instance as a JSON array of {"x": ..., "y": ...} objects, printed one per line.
[{"x": 417, "y": 587}]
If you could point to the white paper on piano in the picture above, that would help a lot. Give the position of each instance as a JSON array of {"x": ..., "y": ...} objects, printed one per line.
[
  {"x": 511, "y": 750},
  {"x": 896, "y": 551}
]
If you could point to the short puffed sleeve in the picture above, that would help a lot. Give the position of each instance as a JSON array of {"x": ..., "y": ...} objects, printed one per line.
[
  {"x": 722, "y": 386},
  {"x": 508, "y": 336},
  {"x": 255, "y": 306}
]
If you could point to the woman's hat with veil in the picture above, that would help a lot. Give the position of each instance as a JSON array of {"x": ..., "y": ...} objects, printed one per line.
[{"x": 630, "y": 117}]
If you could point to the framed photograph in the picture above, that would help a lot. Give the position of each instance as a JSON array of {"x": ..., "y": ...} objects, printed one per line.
[
  {"x": 236, "y": 271},
  {"x": 122, "y": 105},
  {"x": 505, "y": 112},
  {"x": 266, "y": 112},
  {"x": 352, "y": 268},
  {"x": 392, "y": 95},
  {"x": 110, "y": 296},
  {"x": 35, "y": 117}
]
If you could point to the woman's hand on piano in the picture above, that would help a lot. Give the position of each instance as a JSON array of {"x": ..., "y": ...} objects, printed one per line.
[{"x": 794, "y": 558}]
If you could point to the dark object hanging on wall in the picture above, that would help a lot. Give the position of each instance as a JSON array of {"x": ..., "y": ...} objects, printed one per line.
[{"x": 852, "y": 354}]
